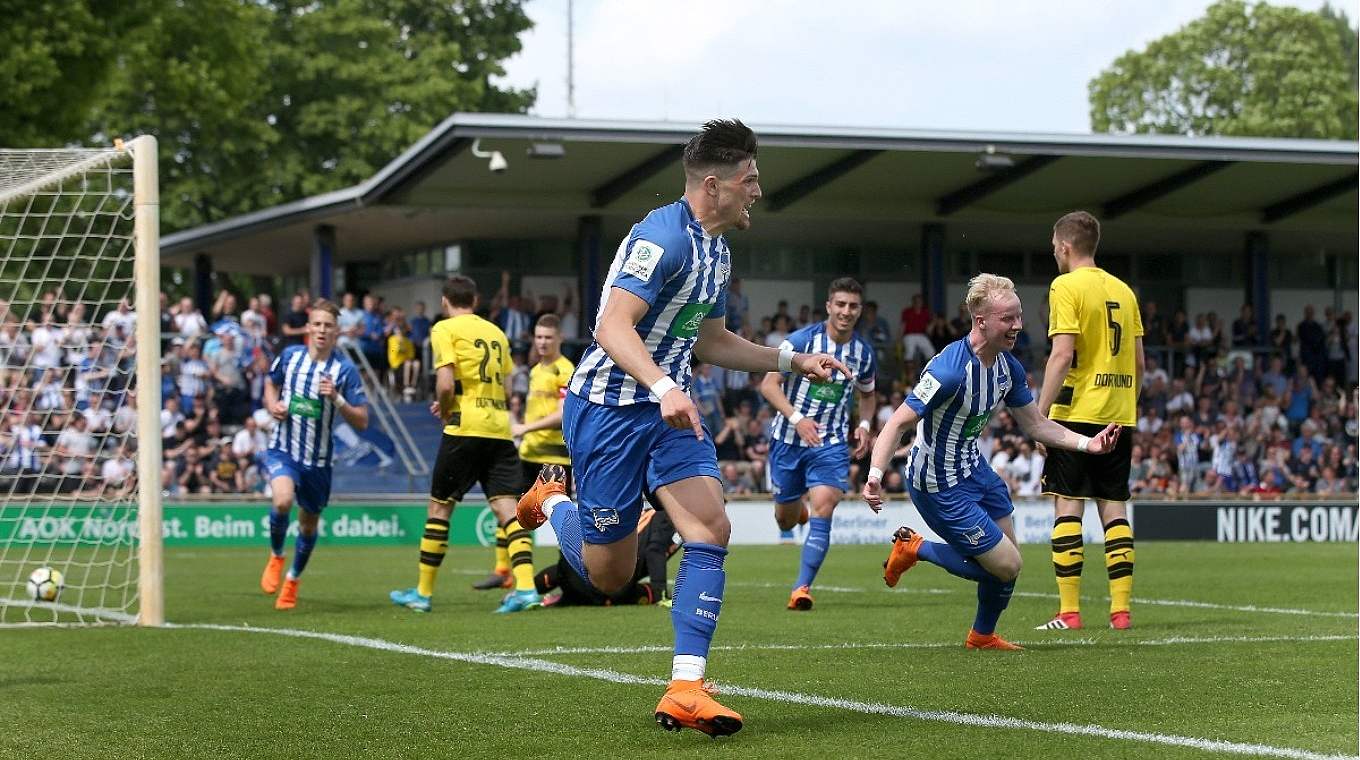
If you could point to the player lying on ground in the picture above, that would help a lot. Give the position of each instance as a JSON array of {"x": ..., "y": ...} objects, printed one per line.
[
  {"x": 656, "y": 544},
  {"x": 950, "y": 482}
]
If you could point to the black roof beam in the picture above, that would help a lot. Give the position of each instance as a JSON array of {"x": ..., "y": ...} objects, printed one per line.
[
  {"x": 810, "y": 183},
  {"x": 1308, "y": 198},
  {"x": 970, "y": 194},
  {"x": 617, "y": 187},
  {"x": 1146, "y": 194}
]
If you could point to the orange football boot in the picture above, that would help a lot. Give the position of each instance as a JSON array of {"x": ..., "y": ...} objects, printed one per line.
[
  {"x": 273, "y": 575},
  {"x": 287, "y": 595},
  {"x": 1063, "y": 621},
  {"x": 990, "y": 641},
  {"x": 690, "y": 704},
  {"x": 906, "y": 543},
  {"x": 551, "y": 480},
  {"x": 1120, "y": 620},
  {"x": 800, "y": 599}
]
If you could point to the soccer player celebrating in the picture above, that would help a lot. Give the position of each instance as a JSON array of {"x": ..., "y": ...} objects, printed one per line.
[
  {"x": 1092, "y": 379},
  {"x": 808, "y": 454},
  {"x": 541, "y": 432},
  {"x": 950, "y": 482},
  {"x": 630, "y": 424},
  {"x": 307, "y": 386},
  {"x": 473, "y": 366}
]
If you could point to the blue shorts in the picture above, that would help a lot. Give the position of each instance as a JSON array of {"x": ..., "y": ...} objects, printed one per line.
[
  {"x": 311, "y": 485},
  {"x": 616, "y": 452},
  {"x": 965, "y": 516},
  {"x": 796, "y": 469}
]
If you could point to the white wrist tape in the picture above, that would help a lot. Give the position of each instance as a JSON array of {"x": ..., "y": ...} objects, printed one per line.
[
  {"x": 875, "y": 474},
  {"x": 663, "y": 386},
  {"x": 1083, "y": 443},
  {"x": 795, "y": 418},
  {"x": 339, "y": 401},
  {"x": 786, "y": 359},
  {"x": 864, "y": 425}
]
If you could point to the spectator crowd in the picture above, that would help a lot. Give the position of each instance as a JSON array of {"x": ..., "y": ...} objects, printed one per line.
[{"x": 1224, "y": 409}]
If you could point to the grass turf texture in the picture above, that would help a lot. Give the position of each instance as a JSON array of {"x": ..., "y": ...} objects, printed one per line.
[{"x": 118, "y": 691}]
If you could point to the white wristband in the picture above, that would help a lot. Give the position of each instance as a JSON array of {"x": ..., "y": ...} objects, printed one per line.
[
  {"x": 1083, "y": 443},
  {"x": 663, "y": 386},
  {"x": 795, "y": 418},
  {"x": 864, "y": 425},
  {"x": 339, "y": 401},
  {"x": 786, "y": 359},
  {"x": 875, "y": 474}
]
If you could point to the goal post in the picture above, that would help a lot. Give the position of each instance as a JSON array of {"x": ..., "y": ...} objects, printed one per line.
[{"x": 80, "y": 384}]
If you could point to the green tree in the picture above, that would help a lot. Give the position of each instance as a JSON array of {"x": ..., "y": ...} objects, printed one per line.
[
  {"x": 255, "y": 102},
  {"x": 1245, "y": 70}
]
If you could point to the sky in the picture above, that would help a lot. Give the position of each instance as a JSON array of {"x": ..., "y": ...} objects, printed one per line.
[{"x": 944, "y": 64}]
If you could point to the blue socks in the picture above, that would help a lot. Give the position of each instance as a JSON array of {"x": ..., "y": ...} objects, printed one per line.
[
  {"x": 566, "y": 522},
  {"x": 698, "y": 599},
  {"x": 302, "y": 551},
  {"x": 278, "y": 531},
  {"x": 993, "y": 597},
  {"x": 953, "y": 562},
  {"x": 814, "y": 550}
]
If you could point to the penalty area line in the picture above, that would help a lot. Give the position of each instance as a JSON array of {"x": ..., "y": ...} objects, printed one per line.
[{"x": 790, "y": 697}]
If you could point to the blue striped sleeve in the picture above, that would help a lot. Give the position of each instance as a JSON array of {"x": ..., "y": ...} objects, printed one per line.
[
  {"x": 351, "y": 387},
  {"x": 937, "y": 387},
  {"x": 651, "y": 259}
]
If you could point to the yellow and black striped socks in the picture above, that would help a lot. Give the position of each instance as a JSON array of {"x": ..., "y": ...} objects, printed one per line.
[
  {"x": 520, "y": 547},
  {"x": 433, "y": 546},
  {"x": 1119, "y": 563},
  {"x": 502, "y": 552},
  {"x": 1068, "y": 556}
]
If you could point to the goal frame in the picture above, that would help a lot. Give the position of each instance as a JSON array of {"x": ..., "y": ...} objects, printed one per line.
[{"x": 146, "y": 273}]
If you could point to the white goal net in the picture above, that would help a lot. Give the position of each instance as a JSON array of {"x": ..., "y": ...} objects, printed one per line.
[{"x": 80, "y": 446}]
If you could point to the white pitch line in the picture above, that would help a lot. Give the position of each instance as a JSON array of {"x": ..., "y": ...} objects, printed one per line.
[
  {"x": 112, "y": 616},
  {"x": 1064, "y": 642},
  {"x": 789, "y": 697}
]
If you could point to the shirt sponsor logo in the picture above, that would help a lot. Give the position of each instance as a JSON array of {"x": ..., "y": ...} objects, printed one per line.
[
  {"x": 689, "y": 320},
  {"x": 301, "y": 406},
  {"x": 926, "y": 389},
  {"x": 642, "y": 259}
]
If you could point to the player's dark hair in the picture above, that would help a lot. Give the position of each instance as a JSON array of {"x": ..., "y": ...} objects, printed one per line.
[
  {"x": 325, "y": 305},
  {"x": 550, "y": 321},
  {"x": 1079, "y": 230},
  {"x": 460, "y": 291},
  {"x": 844, "y": 285},
  {"x": 721, "y": 143}
]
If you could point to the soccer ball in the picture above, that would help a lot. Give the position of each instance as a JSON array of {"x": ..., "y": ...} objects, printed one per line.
[{"x": 45, "y": 583}]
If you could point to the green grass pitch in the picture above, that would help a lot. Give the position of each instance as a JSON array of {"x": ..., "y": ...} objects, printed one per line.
[{"x": 1204, "y": 679}]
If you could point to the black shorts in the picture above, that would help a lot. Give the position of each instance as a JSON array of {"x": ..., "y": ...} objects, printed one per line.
[
  {"x": 1089, "y": 476},
  {"x": 465, "y": 460},
  {"x": 530, "y": 474}
]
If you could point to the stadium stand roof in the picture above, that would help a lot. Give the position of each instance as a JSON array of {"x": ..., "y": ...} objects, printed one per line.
[{"x": 832, "y": 185}]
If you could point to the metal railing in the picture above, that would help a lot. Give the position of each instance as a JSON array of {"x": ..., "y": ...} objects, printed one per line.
[{"x": 386, "y": 414}]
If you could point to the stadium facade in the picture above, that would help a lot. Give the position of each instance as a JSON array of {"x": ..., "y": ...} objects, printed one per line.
[{"x": 1202, "y": 223}]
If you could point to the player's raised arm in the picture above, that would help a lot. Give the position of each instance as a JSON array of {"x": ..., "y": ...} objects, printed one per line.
[
  {"x": 902, "y": 418},
  {"x": 1050, "y": 433},
  {"x": 720, "y": 346}
]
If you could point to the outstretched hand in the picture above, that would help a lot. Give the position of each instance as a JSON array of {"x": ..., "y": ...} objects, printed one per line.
[
  {"x": 1104, "y": 442},
  {"x": 818, "y": 366}
]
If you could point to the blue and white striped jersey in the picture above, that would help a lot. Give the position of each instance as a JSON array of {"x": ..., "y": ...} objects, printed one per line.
[
  {"x": 682, "y": 272},
  {"x": 828, "y": 404},
  {"x": 956, "y": 398},
  {"x": 305, "y": 434}
]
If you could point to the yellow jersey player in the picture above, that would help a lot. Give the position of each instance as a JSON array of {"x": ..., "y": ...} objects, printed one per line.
[
  {"x": 541, "y": 433},
  {"x": 473, "y": 366},
  {"x": 1092, "y": 379}
]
